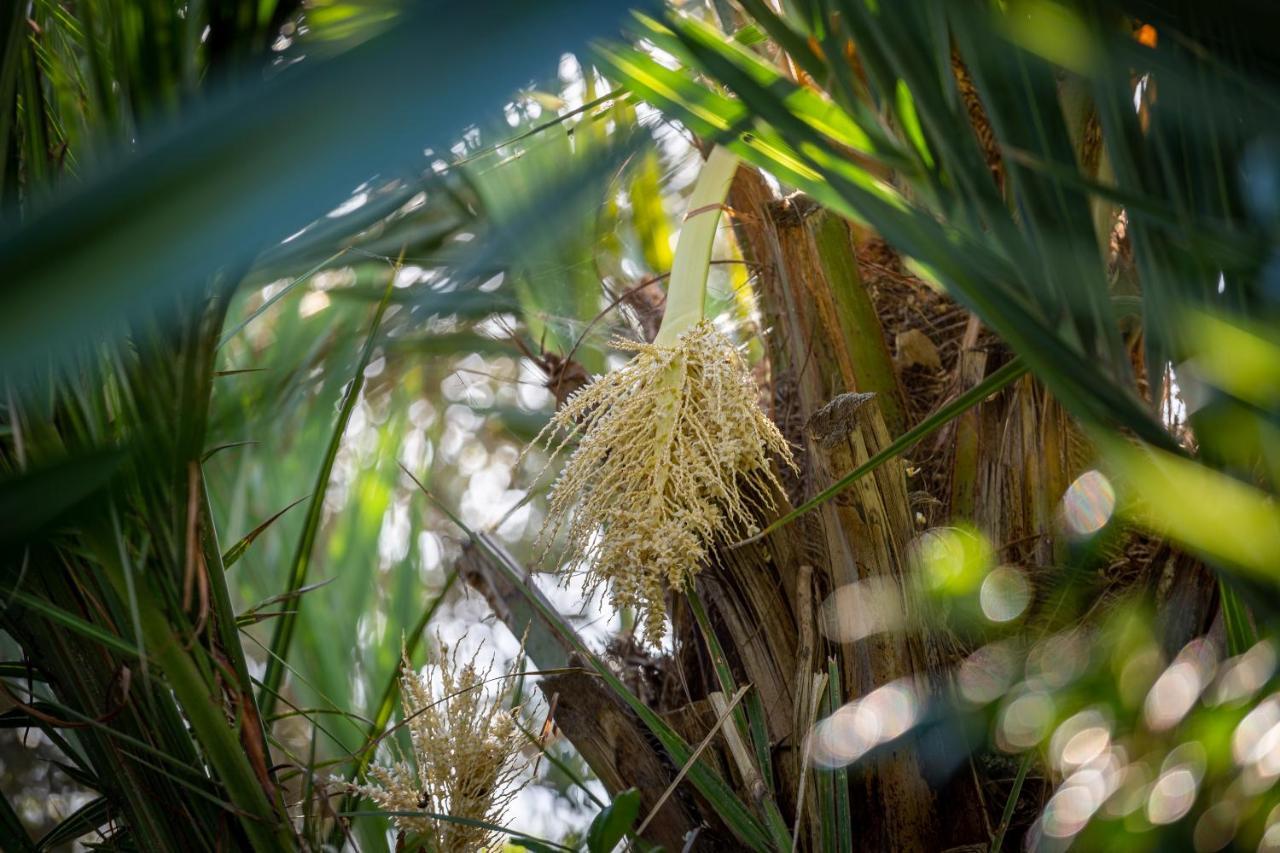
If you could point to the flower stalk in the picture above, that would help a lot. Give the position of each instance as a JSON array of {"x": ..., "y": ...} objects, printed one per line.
[
  {"x": 687, "y": 286},
  {"x": 673, "y": 450}
]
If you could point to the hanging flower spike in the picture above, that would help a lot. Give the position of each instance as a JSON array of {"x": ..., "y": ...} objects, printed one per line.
[{"x": 673, "y": 448}]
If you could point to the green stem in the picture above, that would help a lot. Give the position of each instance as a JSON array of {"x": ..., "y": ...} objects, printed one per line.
[
  {"x": 687, "y": 289},
  {"x": 997, "y": 843}
]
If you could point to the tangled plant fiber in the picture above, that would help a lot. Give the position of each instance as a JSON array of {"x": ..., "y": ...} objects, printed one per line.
[
  {"x": 672, "y": 450},
  {"x": 467, "y": 749}
]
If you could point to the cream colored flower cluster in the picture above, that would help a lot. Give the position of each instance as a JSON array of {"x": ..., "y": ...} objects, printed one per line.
[
  {"x": 467, "y": 749},
  {"x": 672, "y": 451}
]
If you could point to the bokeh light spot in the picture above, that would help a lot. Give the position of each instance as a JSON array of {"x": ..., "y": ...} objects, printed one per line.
[
  {"x": 1255, "y": 745},
  {"x": 1068, "y": 811},
  {"x": 1243, "y": 676},
  {"x": 953, "y": 560},
  {"x": 858, "y": 610},
  {"x": 1270, "y": 842},
  {"x": 1025, "y": 721},
  {"x": 1179, "y": 686},
  {"x": 985, "y": 675},
  {"x": 1004, "y": 595},
  {"x": 883, "y": 714},
  {"x": 1088, "y": 504},
  {"x": 1084, "y": 740},
  {"x": 1172, "y": 796},
  {"x": 1216, "y": 827},
  {"x": 1058, "y": 660},
  {"x": 1131, "y": 790}
]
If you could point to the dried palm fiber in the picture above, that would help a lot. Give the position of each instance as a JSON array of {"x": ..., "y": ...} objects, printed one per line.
[
  {"x": 978, "y": 118},
  {"x": 672, "y": 449},
  {"x": 468, "y": 759}
]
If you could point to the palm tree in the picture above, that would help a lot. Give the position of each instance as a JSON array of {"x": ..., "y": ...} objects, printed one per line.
[{"x": 1012, "y": 309}]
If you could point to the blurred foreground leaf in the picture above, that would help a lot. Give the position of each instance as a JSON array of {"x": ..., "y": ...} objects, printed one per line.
[{"x": 247, "y": 168}]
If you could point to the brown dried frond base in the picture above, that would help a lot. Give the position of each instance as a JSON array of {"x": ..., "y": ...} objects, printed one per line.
[
  {"x": 905, "y": 303},
  {"x": 664, "y": 445}
]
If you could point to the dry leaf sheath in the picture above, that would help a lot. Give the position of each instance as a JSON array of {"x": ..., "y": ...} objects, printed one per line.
[
  {"x": 467, "y": 750},
  {"x": 672, "y": 449}
]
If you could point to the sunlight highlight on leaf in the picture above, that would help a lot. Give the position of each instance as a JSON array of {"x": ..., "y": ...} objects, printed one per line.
[{"x": 1207, "y": 511}]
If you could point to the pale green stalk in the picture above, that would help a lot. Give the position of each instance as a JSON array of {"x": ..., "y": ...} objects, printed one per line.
[{"x": 687, "y": 288}]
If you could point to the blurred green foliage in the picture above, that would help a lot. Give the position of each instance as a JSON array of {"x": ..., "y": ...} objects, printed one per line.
[{"x": 223, "y": 220}]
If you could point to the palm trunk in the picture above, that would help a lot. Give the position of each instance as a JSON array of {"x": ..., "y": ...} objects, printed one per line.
[{"x": 832, "y": 300}]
